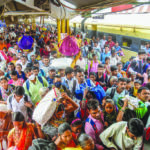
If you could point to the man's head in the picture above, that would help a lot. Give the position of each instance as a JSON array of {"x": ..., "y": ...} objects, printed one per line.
[
  {"x": 35, "y": 70},
  {"x": 107, "y": 60},
  {"x": 147, "y": 45},
  {"x": 80, "y": 75},
  {"x": 94, "y": 109},
  {"x": 148, "y": 60},
  {"x": 100, "y": 68},
  {"x": 45, "y": 60},
  {"x": 28, "y": 72},
  {"x": 13, "y": 75},
  {"x": 117, "y": 44},
  {"x": 33, "y": 57},
  {"x": 94, "y": 56},
  {"x": 52, "y": 72},
  {"x": 122, "y": 83},
  {"x": 119, "y": 65},
  {"x": 128, "y": 83},
  {"x": 57, "y": 81},
  {"x": 137, "y": 84},
  {"x": 114, "y": 70},
  {"x": 95, "y": 44},
  {"x": 69, "y": 72},
  {"x": 135, "y": 128},
  {"x": 92, "y": 76},
  {"x": 106, "y": 48},
  {"x": 36, "y": 64},
  {"x": 16, "y": 47},
  {"x": 65, "y": 133},
  {"x": 18, "y": 68},
  {"x": 11, "y": 67},
  {"x": 109, "y": 38},
  {"x": 19, "y": 92},
  {"x": 141, "y": 54},
  {"x": 143, "y": 94}
]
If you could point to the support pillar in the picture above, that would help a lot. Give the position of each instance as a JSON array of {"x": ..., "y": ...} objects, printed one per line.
[
  {"x": 58, "y": 30},
  {"x": 68, "y": 28},
  {"x": 74, "y": 26},
  {"x": 33, "y": 24},
  {"x": 63, "y": 27}
]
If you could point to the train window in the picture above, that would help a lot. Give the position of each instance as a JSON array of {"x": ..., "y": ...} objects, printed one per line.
[{"x": 126, "y": 42}]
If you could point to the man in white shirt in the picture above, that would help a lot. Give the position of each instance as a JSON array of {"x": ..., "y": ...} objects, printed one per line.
[
  {"x": 19, "y": 102},
  {"x": 102, "y": 42},
  {"x": 123, "y": 135}
]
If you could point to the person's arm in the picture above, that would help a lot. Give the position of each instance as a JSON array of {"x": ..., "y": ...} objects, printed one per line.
[
  {"x": 39, "y": 131},
  {"x": 138, "y": 144},
  {"x": 45, "y": 82},
  {"x": 107, "y": 134},
  {"x": 73, "y": 106},
  {"x": 121, "y": 112}
]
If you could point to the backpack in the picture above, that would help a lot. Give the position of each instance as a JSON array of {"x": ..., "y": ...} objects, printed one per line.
[
  {"x": 112, "y": 93},
  {"x": 29, "y": 110},
  {"x": 28, "y": 83}
]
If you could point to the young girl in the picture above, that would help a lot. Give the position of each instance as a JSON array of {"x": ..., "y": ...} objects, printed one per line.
[
  {"x": 110, "y": 113},
  {"x": 145, "y": 76},
  {"x": 14, "y": 79},
  {"x": 76, "y": 127},
  {"x": 92, "y": 77}
]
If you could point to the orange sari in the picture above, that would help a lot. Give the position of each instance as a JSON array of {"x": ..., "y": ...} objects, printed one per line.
[{"x": 25, "y": 140}]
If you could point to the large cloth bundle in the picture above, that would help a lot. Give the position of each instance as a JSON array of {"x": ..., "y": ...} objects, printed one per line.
[
  {"x": 46, "y": 108},
  {"x": 61, "y": 63},
  {"x": 69, "y": 47},
  {"x": 25, "y": 42}
]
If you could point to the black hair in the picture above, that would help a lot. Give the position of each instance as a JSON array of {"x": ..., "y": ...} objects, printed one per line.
[
  {"x": 113, "y": 68},
  {"x": 82, "y": 139},
  {"x": 90, "y": 48},
  {"x": 18, "y": 116},
  {"x": 100, "y": 66},
  {"x": 141, "y": 89},
  {"x": 119, "y": 63},
  {"x": 35, "y": 68},
  {"x": 136, "y": 127},
  {"x": 107, "y": 58},
  {"x": 76, "y": 123},
  {"x": 138, "y": 81},
  {"x": 92, "y": 73},
  {"x": 60, "y": 108},
  {"x": 93, "y": 55},
  {"x": 148, "y": 77},
  {"x": 19, "y": 65},
  {"x": 57, "y": 76},
  {"x": 63, "y": 127},
  {"x": 10, "y": 64},
  {"x": 13, "y": 73},
  {"x": 122, "y": 80},
  {"x": 36, "y": 62},
  {"x": 3, "y": 78},
  {"x": 68, "y": 70},
  {"x": 27, "y": 70},
  {"x": 128, "y": 80},
  {"x": 29, "y": 65},
  {"x": 19, "y": 90},
  {"x": 92, "y": 104},
  {"x": 128, "y": 114},
  {"x": 148, "y": 85},
  {"x": 141, "y": 52},
  {"x": 106, "y": 45},
  {"x": 148, "y": 58},
  {"x": 79, "y": 71}
]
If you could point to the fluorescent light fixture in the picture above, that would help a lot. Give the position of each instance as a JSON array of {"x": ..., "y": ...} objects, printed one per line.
[
  {"x": 68, "y": 4},
  {"x": 143, "y": 1}
]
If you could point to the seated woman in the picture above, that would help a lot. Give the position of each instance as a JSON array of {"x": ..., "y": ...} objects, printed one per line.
[
  {"x": 21, "y": 136},
  {"x": 15, "y": 80},
  {"x": 64, "y": 138},
  {"x": 5, "y": 90}
]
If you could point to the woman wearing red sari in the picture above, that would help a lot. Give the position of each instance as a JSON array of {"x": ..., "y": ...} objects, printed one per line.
[{"x": 21, "y": 136}]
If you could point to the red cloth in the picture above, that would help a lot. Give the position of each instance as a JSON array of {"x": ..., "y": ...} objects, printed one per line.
[
  {"x": 147, "y": 134},
  {"x": 43, "y": 52},
  {"x": 111, "y": 44}
]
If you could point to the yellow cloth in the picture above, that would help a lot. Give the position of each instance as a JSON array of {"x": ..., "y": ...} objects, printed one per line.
[
  {"x": 77, "y": 148},
  {"x": 75, "y": 60},
  {"x": 135, "y": 92}
]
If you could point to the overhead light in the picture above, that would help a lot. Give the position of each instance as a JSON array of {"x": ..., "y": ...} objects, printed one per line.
[
  {"x": 68, "y": 4},
  {"x": 143, "y": 1}
]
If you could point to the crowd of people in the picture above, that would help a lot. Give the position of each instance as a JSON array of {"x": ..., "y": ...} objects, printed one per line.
[{"x": 101, "y": 103}]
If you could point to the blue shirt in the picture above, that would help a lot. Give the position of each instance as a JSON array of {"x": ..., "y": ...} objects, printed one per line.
[
  {"x": 50, "y": 81},
  {"x": 103, "y": 56},
  {"x": 23, "y": 76}
]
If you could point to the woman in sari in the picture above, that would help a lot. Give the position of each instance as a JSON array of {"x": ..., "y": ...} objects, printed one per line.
[
  {"x": 5, "y": 90},
  {"x": 21, "y": 136}
]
